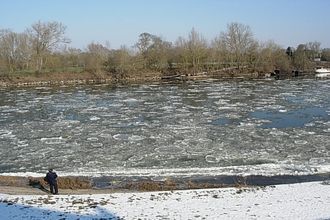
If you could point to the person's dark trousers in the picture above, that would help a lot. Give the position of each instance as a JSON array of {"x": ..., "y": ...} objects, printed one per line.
[{"x": 53, "y": 188}]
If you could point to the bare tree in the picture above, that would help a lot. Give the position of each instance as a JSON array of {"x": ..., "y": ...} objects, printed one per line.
[
  {"x": 15, "y": 49},
  {"x": 325, "y": 54},
  {"x": 157, "y": 54},
  {"x": 272, "y": 56},
  {"x": 181, "y": 54},
  {"x": 238, "y": 41},
  {"x": 119, "y": 62},
  {"x": 300, "y": 59},
  {"x": 192, "y": 51},
  {"x": 144, "y": 42},
  {"x": 197, "y": 47},
  {"x": 219, "y": 53},
  {"x": 73, "y": 57},
  {"x": 97, "y": 56},
  {"x": 154, "y": 51},
  {"x": 46, "y": 37},
  {"x": 313, "y": 50}
]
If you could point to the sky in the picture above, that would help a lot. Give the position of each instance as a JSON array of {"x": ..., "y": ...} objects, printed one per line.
[{"x": 119, "y": 22}]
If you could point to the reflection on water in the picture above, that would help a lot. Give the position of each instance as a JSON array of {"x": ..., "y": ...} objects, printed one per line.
[{"x": 210, "y": 127}]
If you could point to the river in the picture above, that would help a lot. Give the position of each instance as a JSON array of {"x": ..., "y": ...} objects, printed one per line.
[{"x": 260, "y": 127}]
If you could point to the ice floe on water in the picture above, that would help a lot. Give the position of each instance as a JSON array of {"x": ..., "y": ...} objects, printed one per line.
[
  {"x": 53, "y": 140},
  {"x": 205, "y": 128},
  {"x": 94, "y": 118},
  {"x": 128, "y": 137},
  {"x": 7, "y": 134}
]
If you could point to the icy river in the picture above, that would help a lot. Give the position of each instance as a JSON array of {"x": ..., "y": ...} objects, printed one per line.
[{"x": 196, "y": 128}]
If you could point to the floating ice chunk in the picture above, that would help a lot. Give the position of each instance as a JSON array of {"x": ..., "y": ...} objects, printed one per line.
[
  {"x": 97, "y": 144},
  {"x": 167, "y": 108},
  {"x": 149, "y": 103},
  {"x": 327, "y": 130},
  {"x": 105, "y": 135},
  {"x": 226, "y": 107},
  {"x": 277, "y": 132},
  {"x": 311, "y": 124},
  {"x": 94, "y": 118},
  {"x": 128, "y": 137},
  {"x": 169, "y": 149},
  {"x": 195, "y": 107},
  {"x": 130, "y": 100},
  {"x": 134, "y": 158},
  {"x": 211, "y": 159},
  {"x": 136, "y": 138},
  {"x": 246, "y": 124},
  {"x": 22, "y": 111},
  {"x": 316, "y": 161},
  {"x": 116, "y": 105},
  {"x": 72, "y": 121},
  {"x": 6, "y": 134},
  {"x": 23, "y": 142},
  {"x": 94, "y": 109},
  {"x": 92, "y": 139},
  {"x": 41, "y": 98},
  {"x": 300, "y": 142},
  {"x": 53, "y": 140}
]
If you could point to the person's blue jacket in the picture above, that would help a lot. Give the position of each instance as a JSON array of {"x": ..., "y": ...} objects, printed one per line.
[{"x": 51, "y": 177}]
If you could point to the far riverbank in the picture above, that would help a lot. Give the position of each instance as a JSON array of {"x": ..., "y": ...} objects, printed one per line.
[{"x": 83, "y": 78}]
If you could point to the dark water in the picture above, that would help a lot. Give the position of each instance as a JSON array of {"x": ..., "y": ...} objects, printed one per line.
[
  {"x": 293, "y": 119},
  {"x": 198, "y": 128}
]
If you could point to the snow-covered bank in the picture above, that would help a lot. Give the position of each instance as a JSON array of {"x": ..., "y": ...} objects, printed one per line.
[{"x": 293, "y": 201}]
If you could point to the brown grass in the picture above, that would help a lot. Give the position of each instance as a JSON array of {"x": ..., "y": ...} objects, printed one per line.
[
  {"x": 13, "y": 181},
  {"x": 193, "y": 185},
  {"x": 63, "y": 182},
  {"x": 72, "y": 78},
  {"x": 76, "y": 183},
  {"x": 149, "y": 185}
]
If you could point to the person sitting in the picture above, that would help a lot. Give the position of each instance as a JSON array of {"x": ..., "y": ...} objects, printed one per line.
[{"x": 51, "y": 179}]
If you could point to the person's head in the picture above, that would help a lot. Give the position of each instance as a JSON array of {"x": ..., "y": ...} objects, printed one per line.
[{"x": 50, "y": 170}]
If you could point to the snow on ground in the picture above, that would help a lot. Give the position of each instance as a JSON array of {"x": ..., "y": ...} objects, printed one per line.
[{"x": 293, "y": 201}]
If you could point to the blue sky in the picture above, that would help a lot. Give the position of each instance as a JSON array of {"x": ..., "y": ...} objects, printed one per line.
[{"x": 287, "y": 22}]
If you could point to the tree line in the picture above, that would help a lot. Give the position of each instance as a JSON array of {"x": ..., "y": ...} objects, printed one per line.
[{"x": 43, "y": 47}]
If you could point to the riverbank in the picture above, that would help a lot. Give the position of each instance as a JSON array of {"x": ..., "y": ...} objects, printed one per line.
[
  {"x": 67, "y": 78},
  {"x": 290, "y": 201},
  {"x": 83, "y": 184},
  {"x": 83, "y": 78}
]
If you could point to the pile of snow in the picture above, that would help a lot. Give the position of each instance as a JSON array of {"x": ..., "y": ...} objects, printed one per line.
[{"x": 292, "y": 201}]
